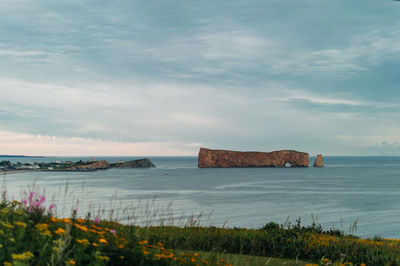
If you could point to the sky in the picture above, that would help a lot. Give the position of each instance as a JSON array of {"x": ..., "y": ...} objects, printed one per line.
[{"x": 164, "y": 77}]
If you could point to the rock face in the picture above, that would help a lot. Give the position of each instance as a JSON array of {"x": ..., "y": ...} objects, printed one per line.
[
  {"x": 142, "y": 163},
  {"x": 319, "y": 161},
  {"x": 224, "y": 158},
  {"x": 99, "y": 165}
]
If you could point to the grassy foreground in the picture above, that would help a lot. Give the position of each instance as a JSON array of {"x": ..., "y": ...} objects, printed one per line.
[{"x": 31, "y": 235}]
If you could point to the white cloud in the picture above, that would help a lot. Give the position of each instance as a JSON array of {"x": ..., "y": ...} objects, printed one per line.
[{"x": 26, "y": 144}]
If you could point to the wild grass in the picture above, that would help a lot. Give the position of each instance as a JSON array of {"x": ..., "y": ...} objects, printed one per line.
[{"x": 31, "y": 233}]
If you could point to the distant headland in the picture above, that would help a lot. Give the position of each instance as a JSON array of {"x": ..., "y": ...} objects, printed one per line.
[
  {"x": 19, "y": 156},
  {"x": 91, "y": 165},
  {"x": 225, "y": 158}
]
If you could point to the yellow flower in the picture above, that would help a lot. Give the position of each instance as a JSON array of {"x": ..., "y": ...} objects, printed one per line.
[
  {"x": 41, "y": 227},
  {"x": 83, "y": 241},
  {"x": 7, "y": 263},
  {"x": 66, "y": 220},
  {"x": 81, "y": 227},
  {"x": 6, "y": 225},
  {"x": 20, "y": 224},
  {"x": 122, "y": 257},
  {"x": 23, "y": 256},
  {"x": 104, "y": 258},
  {"x": 19, "y": 212},
  {"x": 71, "y": 262},
  {"x": 103, "y": 241},
  {"x": 121, "y": 246},
  {"x": 143, "y": 242},
  {"x": 53, "y": 219},
  {"x": 95, "y": 244},
  {"x": 59, "y": 231},
  {"x": 47, "y": 233},
  {"x": 12, "y": 240}
]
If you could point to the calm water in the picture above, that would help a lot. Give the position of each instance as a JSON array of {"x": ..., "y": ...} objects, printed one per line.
[{"x": 348, "y": 189}]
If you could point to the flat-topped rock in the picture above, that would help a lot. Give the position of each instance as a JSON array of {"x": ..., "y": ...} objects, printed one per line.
[{"x": 225, "y": 158}]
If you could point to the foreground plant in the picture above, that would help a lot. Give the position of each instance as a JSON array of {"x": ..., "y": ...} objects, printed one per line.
[{"x": 30, "y": 235}]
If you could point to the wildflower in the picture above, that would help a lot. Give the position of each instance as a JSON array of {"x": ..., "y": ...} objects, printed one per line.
[
  {"x": 7, "y": 263},
  {"x": 71, "y": 262},
  {"x": 143, "y": 242},
  {"x": 54, "y": 220},
  {"x": 23, "y": 256},
  {"x": 66, "y": 220},
  {"x": 11, "y": 239},
  {"x": 104, "y": 258},
  {"x": 6, "y": 225},
  {"x": 83, "y": 241},
  {"x": 51, "y": 207},
  {"x": 80, "y": 220},
  {"x": 20, "y": 224},
  {"x": 19, "y": 212},
  {"x": 121, "y": 246},
  {"x": 96, "y": 220},
  {"x": 59, "y": 231},
  {"x": 103, "y": 241},
  {"x": 41, "y": 227},
  {"x": 122, "y": 257},
  {"x": 113, "y": 231},
  {"x": 95, "y": 244},
  {"x": 81, "y": 227}
]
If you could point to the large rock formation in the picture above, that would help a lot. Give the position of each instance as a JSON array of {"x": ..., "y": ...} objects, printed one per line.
[
  {"x": 319, "y": 161},
  {"x": 142, "y": 163},
  {"x": 99, "y": 165},
  {"x": 224, "y": 158}
]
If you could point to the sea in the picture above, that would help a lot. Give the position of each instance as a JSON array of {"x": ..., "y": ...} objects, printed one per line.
[{"x": 358, "y": 195}]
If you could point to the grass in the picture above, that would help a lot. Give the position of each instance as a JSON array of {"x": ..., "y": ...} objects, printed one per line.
[
  {"x": 31, "y": 234},
  {"x": 247, "y": 260}
]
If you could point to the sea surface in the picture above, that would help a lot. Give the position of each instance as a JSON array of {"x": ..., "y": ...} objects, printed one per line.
[{"x": 354, "y": 194}]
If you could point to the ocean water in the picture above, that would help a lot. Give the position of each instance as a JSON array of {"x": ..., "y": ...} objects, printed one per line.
[{"x": 350, "y": 190}]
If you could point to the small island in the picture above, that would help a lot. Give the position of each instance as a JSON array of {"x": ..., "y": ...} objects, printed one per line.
[{"x": 80, "y": 166}]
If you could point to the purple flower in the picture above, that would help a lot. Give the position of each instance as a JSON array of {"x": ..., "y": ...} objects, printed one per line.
[
  {"x": 112, "y": 231},
  {"x": 51, "y": 207},
  {"x": 96, "y": 220}
]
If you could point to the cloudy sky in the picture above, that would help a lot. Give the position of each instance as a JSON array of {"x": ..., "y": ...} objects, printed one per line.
[{"x": 127, "y": 77}]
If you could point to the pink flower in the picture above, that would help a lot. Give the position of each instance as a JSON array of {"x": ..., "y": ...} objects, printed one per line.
[
  {"x": 112, "y": 231},
  {"x": 51, "y": 207},
  {"x": 96, "y": 220}
]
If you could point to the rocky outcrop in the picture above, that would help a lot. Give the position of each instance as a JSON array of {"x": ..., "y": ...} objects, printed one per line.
[
  {"x": 224, "y": 158},
  {"x": 142, "y": 163},
  {"x": 98, "y": 165},
  {"x": 319, "y": 161}
]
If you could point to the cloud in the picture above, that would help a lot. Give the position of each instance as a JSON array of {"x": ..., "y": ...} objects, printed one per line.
[{"x": 13, "y": 143}]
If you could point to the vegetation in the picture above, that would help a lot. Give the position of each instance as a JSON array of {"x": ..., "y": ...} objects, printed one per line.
[{"x": 31, "y": 235}]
